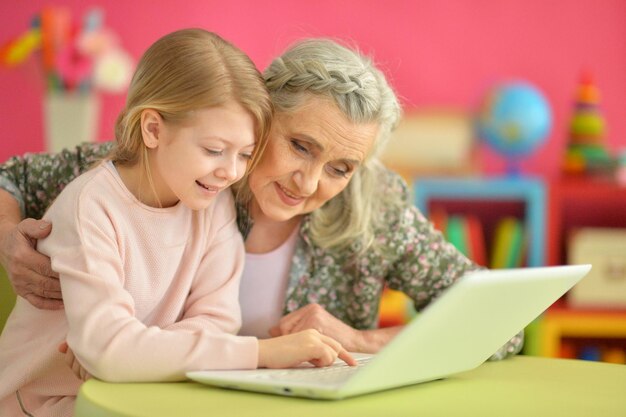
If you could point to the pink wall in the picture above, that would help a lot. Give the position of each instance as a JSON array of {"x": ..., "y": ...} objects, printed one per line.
[{"x": 436, "y": 53}]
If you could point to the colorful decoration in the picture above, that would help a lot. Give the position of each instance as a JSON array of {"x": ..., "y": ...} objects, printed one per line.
[
  {"x": 620, "y": 172},
  {"x": 586, "y": 151},
  {"x": 514, "y": 120},
  {"x": 74, "y": 56}
]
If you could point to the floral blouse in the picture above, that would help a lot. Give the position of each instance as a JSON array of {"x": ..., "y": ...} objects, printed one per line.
[{"x": 412, "y": 256}]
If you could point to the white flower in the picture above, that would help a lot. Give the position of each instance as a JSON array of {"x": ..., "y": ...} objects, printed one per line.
[{"x": 113, "y": 71}]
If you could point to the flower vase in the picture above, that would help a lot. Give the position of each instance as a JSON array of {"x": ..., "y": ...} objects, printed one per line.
[{"x": 70, "y": 119}]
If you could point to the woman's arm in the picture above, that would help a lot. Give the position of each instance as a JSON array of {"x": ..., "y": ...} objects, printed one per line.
[
  {"x": 36, "y": 179},
  {"x": 28, "y": 185},
  {"x": 427, "y": 264},
  {"x": 29, "y": 271}
]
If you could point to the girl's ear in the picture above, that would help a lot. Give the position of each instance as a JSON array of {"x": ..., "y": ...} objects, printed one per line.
[{"x": 151, "y": 127}]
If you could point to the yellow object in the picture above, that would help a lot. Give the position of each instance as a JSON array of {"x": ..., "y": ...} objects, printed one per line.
[
  {"x": 7, "y": 298},
  {"x": 574, "y": 162},
  {"x": 614, "y": 355},
  {"x": 521, "y": 386},
  {"x": 556, "y": 325},
  {"x": 508, "y": 244},
  {"x": 394, "y": 308},
  {"x": 23, "y": 47}
]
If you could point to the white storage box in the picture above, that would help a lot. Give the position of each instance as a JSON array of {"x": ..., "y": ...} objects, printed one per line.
[{"x": 605, "y": 285}]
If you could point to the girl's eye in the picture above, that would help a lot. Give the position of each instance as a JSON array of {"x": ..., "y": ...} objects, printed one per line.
[
  {"x": 213, "y": 152},
  {"x": 246, "y": 156},
  {"x": 298, "y": 147}
]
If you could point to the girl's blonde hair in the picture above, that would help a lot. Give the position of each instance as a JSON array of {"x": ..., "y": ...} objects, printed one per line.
[
  {"x": 188, "y": 70},
  {"x": 322, "y": 67}
]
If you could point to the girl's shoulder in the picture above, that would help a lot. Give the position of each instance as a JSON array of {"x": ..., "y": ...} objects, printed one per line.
[
  {"x": 83, "y": 195},
  {"x": 96, "y": 180}
]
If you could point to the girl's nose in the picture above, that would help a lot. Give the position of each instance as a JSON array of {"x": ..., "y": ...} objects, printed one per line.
[{"x": 229, "y": 170}]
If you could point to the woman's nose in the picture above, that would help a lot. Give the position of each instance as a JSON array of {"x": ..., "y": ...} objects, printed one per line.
[{"x": 308, "y": 180}]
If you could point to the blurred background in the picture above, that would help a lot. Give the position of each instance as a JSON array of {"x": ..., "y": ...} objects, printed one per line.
[
  {"x": 436, "y": 53},
  {"x": 514, "y": 135}
]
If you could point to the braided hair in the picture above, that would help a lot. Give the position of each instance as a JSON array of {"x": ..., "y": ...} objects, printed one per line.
[{"x": 323, "y": 67}]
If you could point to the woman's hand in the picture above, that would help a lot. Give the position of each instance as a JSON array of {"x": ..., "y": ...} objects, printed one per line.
[
  {"x": 73, "y": 363},
  {"x": 314, "y": 316},
  {"x": 29, "y": 271},
  {"x": 306, "y": 346}
]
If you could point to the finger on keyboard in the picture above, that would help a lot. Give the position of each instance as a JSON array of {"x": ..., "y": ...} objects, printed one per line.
[{"x": 347, "y": 357}]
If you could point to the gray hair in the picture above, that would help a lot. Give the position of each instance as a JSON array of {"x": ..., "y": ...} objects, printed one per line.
[{"x": 324, "y": 68}]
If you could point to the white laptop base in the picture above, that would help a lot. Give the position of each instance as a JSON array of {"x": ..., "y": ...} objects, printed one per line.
[{"x": 459, "y": 331}]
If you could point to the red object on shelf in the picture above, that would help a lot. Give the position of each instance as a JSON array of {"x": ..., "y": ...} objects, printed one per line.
[
  {"x": 561, "y": 307},
  {"x": 567, "y": 351},
  {"x": 581, "y": 202}
]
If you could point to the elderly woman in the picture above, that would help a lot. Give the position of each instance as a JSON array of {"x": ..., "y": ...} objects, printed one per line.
[{"x": 326, "y": 226}]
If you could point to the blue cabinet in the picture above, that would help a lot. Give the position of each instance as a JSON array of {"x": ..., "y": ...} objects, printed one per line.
[{"x": 529, "y": 191}]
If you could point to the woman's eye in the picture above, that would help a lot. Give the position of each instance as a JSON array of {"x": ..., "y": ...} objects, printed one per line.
[
  {"x": 246, "y": 156},
  {"x": 339, "y": 171},
  {"x": 298, "y": 147}
]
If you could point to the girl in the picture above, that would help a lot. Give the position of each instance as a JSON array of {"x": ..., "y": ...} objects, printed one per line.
[{"x": 146, "y": 243}]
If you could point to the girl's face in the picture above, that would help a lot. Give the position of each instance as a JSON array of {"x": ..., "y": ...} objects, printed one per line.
[
  {"x": 195, "y": 160},
  {"x": 310, "y": 157}
]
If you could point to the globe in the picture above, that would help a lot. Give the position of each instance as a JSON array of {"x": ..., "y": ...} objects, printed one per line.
[{"x": 514, "y": 119}]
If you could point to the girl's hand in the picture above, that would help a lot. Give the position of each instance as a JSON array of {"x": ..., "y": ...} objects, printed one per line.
[
  {"x": 307, "y": 346},
  {"x": 29, "y": 271},
  {"x": 73, "y": 363},
  {"x": 314, "y": 316}
]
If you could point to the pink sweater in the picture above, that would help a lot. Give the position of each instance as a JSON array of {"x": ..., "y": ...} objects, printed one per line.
[{"x": 149, "y": 294}]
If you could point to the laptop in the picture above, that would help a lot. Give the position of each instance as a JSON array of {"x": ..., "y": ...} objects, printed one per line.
[{"x": 457, "y": 332}]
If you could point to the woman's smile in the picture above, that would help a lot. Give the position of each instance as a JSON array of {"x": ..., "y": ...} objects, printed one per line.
[{"x": 287, "y": 196}]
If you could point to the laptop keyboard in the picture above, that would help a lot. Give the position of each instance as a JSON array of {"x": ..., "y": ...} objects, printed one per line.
[{"x": 336, "y": 373}]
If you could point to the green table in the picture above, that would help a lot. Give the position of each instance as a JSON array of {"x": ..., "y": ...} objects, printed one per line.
[{"x": 522, "y": 386}]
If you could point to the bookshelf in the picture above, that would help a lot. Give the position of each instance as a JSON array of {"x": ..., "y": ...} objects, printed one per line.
[
  {"x": 550, "y": 214},
  {"x": 490, "y": 199},
  {"x": 592, "y": 334}
]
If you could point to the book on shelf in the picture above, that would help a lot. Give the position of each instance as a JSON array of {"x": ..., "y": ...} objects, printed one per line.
[
  {"x": 456, "y": 233},
  {"x": 466, "y": 233},
  {"x": 439, "y": 219},
  {"x": 476, "y": 240},
  {"x": 508, "y": 244}
]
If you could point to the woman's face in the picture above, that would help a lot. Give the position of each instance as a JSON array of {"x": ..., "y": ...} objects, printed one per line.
[{"x": 311, "y": 155}]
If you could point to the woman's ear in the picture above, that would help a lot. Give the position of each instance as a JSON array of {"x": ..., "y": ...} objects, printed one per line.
[{"x": 151, "y": 127}]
